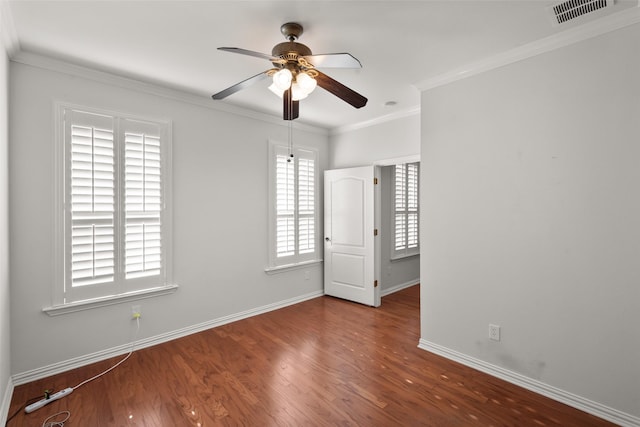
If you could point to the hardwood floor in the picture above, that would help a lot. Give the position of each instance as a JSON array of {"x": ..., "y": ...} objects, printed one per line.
[{"x": 318, "y": 363}]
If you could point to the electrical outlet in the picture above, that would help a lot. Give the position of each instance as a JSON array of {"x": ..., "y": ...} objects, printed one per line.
[
  {"x": 136, "y": 311},
  {"x": 494, "y": 332},
  {"x": 306, "y": 275}
]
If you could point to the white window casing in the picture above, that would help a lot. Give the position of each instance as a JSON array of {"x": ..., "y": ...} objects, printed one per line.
[
  {"x": 293, "y": 206},
  {"x": 113, "y": 192}
]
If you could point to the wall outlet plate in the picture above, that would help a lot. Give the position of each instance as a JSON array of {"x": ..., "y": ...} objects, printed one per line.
[{"x": 494, "y": 332}]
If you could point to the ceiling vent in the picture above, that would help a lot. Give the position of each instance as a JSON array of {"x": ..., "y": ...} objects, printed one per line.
[{"x": 571, "y": 9}]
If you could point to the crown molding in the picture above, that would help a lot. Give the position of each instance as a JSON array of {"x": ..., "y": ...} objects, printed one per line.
[
  {"x": 138, "y": 84},
  {"x": 8, "y": 34},
  {"x": 568, "y": 37},
  {"x": 415, "y": 110}
]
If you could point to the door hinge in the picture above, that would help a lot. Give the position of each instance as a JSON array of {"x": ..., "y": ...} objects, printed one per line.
[
  {"x": 375, "y": 283},
  {"x": 375, "y": 231},
  {"x": 375, "y": 181}
]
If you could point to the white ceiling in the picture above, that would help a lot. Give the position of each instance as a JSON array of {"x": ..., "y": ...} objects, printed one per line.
[{"x": 173, "y": 43}]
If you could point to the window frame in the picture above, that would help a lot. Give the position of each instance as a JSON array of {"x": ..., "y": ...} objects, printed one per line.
[
  {"x": 297, "y": 260},
  {"x": 407, "y": 251},
  {"x": 120, "y": 289}
]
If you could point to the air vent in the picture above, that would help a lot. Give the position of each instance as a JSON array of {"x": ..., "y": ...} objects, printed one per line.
[{"x": 571, "y": 9}]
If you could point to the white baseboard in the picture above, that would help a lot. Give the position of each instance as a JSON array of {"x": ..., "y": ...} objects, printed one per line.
[
  {"x": 396, "y": 288},
  {"x": 6, "y": 402},
  {"x": 66, "y": 365},
  {"x": 618, "y": 417}
]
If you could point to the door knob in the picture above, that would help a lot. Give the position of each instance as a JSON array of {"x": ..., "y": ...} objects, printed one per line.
[{"x": 327, "y": 239}]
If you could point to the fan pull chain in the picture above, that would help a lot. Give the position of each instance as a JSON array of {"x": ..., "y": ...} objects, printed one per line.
[
  {"x": 290, "y": 101},
  {"x": 290, "y": 141}
]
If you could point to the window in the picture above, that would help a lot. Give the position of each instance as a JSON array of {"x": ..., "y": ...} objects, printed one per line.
[
  {"x": 406, "y": 214},
  {"x": 114, "y": 189},
  {"x": 293, "y": 217}
]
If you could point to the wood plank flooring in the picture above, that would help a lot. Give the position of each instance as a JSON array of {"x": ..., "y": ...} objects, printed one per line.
[{"x": 323, "y": 362}]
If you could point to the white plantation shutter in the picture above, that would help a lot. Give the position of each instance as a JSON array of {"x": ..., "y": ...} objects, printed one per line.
[
  {"x": 412, "y": 205},
  {"x": 285, "y": 206},
  {"x": 114, "y": 207},
  {"x": 143, "y": 205},
  {"x": 400, "y": 200},
  {"x": 294, "y": 181},
  {"x": 306, "y": 205},
  {"x": 406, "y": 209},
  {"x": 92, "y": 210}
]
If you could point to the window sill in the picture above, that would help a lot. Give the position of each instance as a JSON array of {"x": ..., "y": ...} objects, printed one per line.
[
  {"x": 289, "y": 267},
  {"x": 73, "y": 307},
  {"x": 403, "y": 257}
]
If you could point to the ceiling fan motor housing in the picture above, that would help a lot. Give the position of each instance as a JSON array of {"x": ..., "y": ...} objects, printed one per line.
[{"x": 290, "y": 51}]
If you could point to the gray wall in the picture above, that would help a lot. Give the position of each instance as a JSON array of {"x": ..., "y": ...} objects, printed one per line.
[
  {"x": 5, "y": 360},
  {"x": 531, "y": 218},
  {"x": 367, "y": 145},
  {"x": 220, "y": 212}
]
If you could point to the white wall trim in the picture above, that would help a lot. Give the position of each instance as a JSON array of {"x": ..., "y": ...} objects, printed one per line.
[
  {"x": 8, "y": 34},
  {"x": 399, "y": 287},
  {"x": 6, "y": 402},
  {"x": 295, "y": 266},
  {"x": 586, "y": 405},
  {"x": 376, "y": 121},
  {"x": 73, "y": 307},
  {"x": 134, "y": 83},
  {"x": 591, "y": 29},
  {"x": 56, "y": 368},
  {"x": 184, "y": 94},
  {"x": 397, "y": 160}
]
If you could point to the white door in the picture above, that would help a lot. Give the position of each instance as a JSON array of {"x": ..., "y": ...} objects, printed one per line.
[{"x": 350, "y": 228}]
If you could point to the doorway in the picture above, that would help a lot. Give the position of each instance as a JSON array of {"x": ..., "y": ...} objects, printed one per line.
[{"x": 348, "y": 272}]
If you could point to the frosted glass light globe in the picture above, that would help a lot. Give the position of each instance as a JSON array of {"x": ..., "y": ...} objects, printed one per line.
[
  {"x": 282, "y": 79},
  {"x": 306, "y": 82},
  {"x": 297, "y": 93}
]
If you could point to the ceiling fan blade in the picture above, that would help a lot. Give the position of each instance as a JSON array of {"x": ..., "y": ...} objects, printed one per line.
[
  {"x": 333, "y": 60},
  {"x": 291, "y": 108},
  {"x": 239, "y": 86},
  {"x": 341, "y": 91},
  {"x": 252, "y": 53}
]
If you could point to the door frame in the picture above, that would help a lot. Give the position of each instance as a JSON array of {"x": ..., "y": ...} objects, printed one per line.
[
  {"x": 397, "y": 160},
  {"x": 378, "y": 164},
  {"x": 377, "y": 172}
]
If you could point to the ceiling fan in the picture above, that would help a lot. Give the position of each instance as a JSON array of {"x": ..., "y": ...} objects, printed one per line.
[{"x": 295, "y": 73}]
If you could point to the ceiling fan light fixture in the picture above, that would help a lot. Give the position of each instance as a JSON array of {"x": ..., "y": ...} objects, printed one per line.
[
  {"x": 279, "y": 92},
  {"x": 297, "y": 93},
  {"x": 282, "y": 79},
  {"x": 306, "y": 82},
  {"x": 294, "y": 72}
]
